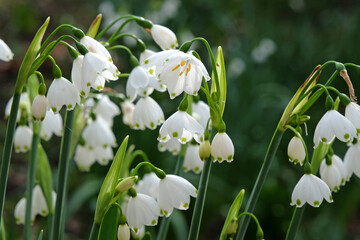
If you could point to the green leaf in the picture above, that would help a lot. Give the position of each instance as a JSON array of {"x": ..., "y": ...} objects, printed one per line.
[
  {"x": 110, "y": 223},
  {"x": 108, "y": 187},
  {"x": 78, "y": 127},
  {"x": 33, "y": 86},
  {"x": 94, "y": 27},
  {"x": 318, "y": 155},
  {"x": 232, "y": 214},
  {"x": 220, "y": 67},
  {"x": 44, "y": 177},
  {"x": 29, "y": 58},
  {"x": 41, "y": 234}
]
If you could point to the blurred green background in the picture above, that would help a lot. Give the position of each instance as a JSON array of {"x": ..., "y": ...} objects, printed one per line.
[{"x": 270, "y": 48}]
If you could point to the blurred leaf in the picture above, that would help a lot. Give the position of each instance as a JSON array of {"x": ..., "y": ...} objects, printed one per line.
[
  {"x": 44, "y": 176},
  {"x": 179, "y": 225},
  {"x": 41, "y": 234},
  {"x": 110, "y": 223},
  {"x": 33, "y": 87},
  {"x": 2, "y": 230},
  {"x": 93, "y": 29}
]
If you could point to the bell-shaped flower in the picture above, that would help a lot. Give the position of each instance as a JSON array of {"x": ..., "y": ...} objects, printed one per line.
[
  {"x": 312, "y": 190},
  {"x": 147, "y": 113},
  {"x": 52, "y": 124},
  {"x": 183, "y": 72},
  {"x": 148, "y": 185},
  {"x": 157, "y": 60},
  {"x": 24, "y": 102},
  {"x": 106, "y": 109},
  {"x": 76, "y": 76},
  {"x": 20, "y": 211},
  {"x": 139, "y": 233},
  {"x": 103, "y": 154},
  {"x": 123, "y": 232},
  {"x": 96, "y": 47},
  {"x": 181, "y": 126},
  {"x": 192, "y": 159},
  {"x": 296, "y": 151},
  {"x": 144, "y": 55},
  {"x": 23, "y": 138},
  {"x": 39, "y": 202},
  {"x": 201, "y": 112},
  {"x": 127, "y": 109},
  {"x": 352, "y": 161},
  {"x": 333, "y": 124},
  {"x": 173, "y": 146},
  {"x": 142, "y": 210},
  {"x": 98, "y": 133},
  {"x": 39, "y": 107},
  {"x": 62, "y": 92},
  {"x": 334, "y": 174},
  {"x": 352, "y": 112},
  {"x": 164, "y": 37},
  {"x": 5, "y": 52},
  {"x": 222, "y": 148},
  {"x": 84, "y": 158},
  {"x": 174, "y": 192}
]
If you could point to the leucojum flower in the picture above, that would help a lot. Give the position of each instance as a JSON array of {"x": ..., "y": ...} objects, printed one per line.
[{"x": 5, "y": 52}]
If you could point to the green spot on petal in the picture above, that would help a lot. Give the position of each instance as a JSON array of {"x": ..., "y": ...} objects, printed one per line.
[
  {"x": 175, "y": 134},
  {"x": 316, "y": 203},
  {"x": 99, "y": 87},
  {"x": 69, "y": 106},
  {"x": 346, "y": 136},
  {"x": 186, "y": 205},
  {"x": 88, "y": 84},
  {"x": 298, "y": 202},
  {"x": 166, "y": 212},
  {"x": 230, "y": 158},
  {"x": 195, "y": 92},
  {"x": 331, "y": 198},
  {"x": 151, "y": 71},
  {"x": 82, "y": 93},
  {"x": 196, "y": 169},
  {"x": 323, "y": 139},
  {"x": 54, "y": 109},
  {"x": 146, "y": 61},
  {"x": 183, "y": 139},
  {"x": 152, "y": 125},
  {"x": 219, "y": 159},
  {"x": 173, "y": 94},
  {"x": 153, "y": 222}
]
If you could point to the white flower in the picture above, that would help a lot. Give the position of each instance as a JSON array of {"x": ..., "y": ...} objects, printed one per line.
[
  {"x": 123, "y": 232},
  {"x": 103, "y": 155},
  {"x": 39, "y": 107},
  {"x": 222, "y": 148},
  {"x": 352, "y": 160},
  {"x": 333, "y": 124},
  {"x": 164, "y": 37},
  {"x": 62, "y": 92},
  {"x": 106, "y": 109},
  {"x": 127, "y": 109},
  {"x": 334, "y": 174},
  {"x": 192, "y": 159},
  {"x": 39, "y": 202},
  {"x": 96, "y": 47},
  {"x": 312, "y": 190},
  {"x": 142, "y": 210},
  {"x": 201, "y": 112},
  {"x": 139, "y": 233},
  {"x": 76, "y": 76},
  {"x": 145, "y": 54},
  {"x": 148, "y": 185},
  {"x": 174, "y": 192},
  {"x": 23, "y": 138},
  {"x": 5, "y": 52},
  {"x": 98, "y": 133},
  {"x": 84, "y": 158},
  {"x": 296, "y": 151},
  {"x": 20, "y": 211},
  {"x": 147, "y": 113},
  {"x": 352, "y": 112},
  {"x": 24, "y": 101},
  {"x": 52, "y": 124},
  {"x": 173, "y": 146},
  {"x": 183, "y": 72},
  {"x": 180, "y": 126},
  {"x": 157, "y": 60}
]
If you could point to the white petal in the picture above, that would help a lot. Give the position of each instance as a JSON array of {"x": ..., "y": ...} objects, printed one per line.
[
  {"x": 164, "y": 37},
  {"x": 222, "y": 148},
  {"x": 5, "y": 52},
  {"x": 23, "y": 138},
  {"x": 62, "y": 92}
]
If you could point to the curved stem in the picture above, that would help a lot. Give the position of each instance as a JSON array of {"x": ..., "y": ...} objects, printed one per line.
[
  {"x": 121, "y": 47},
  {"x": 113, "y": 23},
  {"x": 123, "y": 35},
  {"x": 6, "y": 156},
  {"x": 250, "y": 206},
  {"x": 295, "y": 222},
  {"x": 119, "y": 29},
  {"x": 31, "y": 182},
  {"x": 63, "y": 171},
  {"x": 52, "y": 34},
  {"x": 159, "y": 172}
]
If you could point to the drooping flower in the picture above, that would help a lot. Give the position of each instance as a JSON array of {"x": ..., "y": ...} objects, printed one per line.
[
  {"x": 174, "y": 192},
  {"x": 352, "y": 112},
  {"x": 139, "y": 233},
  {"x": 148, "y": 185},
  {"x": 192, "y": 159},
  {"x": 106, "y": 109},
  {"x": 5, "y": 52},
  {"x": 52, "y": 124},
  {"x": 123, "y": 232},
  {"x": 334, "y": 174},
  {"x": 24, "y": 102},
  {"x": 103, "y": 155},
  {"x": 127, "y": 109},
  {"x": 39, "y": 107},
  {"x": 147, "y": 113},
  {"x": 142, "y": 210},
  {"x": 312, "y": 190},
  {"x": 98, "y": 133},
  {"x": 332, "y": 125},
  {"x": 164, "y": 37},
  {"x": 62, "y": 92},
  {"x": 201, "y": 112},
  {"x": 23, "y": 138},
  {"x": 84, "y": 158},
  {"x": 20, "y": 210},
  {"x": 222, "y": 148},
  {"x": 173, "y": 146},
  {"x": 296, "y": 151},
  {"x": 96, "y": 47},
  {"x": 145, "y": 54},
  {"x": 76, "y": 76},
  {"x": 352, "y": 161},
  {"x": 180, "y": 126}
]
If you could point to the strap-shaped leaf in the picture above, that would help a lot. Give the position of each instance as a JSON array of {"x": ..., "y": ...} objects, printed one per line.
[{"x": 44, "y": 177}]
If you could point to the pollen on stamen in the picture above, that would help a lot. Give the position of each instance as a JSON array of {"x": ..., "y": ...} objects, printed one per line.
[{"x": 177, "y": 66}]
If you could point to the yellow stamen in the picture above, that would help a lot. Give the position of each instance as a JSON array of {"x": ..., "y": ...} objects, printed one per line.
[
  {"x": 182, "y": 62},
  {"x": 177, "y": 66},
  {"x": 188, "y": 69}
]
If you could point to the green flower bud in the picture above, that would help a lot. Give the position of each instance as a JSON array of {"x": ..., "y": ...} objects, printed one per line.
[
  {"x": 73, "y": 53},
  {"x": 144, "y": 23},
  {"x": 56, "y": 71},
  {"x": 78, "y": 33},
  {"x": 345, "y": 100},
  {"x": 42, "y": 89},
  {"x": 329, "y": 103},
  {"x": 205, "y": 150},
  {"x": 126, "y": 183}
]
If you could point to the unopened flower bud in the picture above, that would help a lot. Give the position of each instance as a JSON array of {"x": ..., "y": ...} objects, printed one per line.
[
  {"x": 126, "y": 183},
  {"x": 296, "y": 151},
  {"x": 123, "y": 232},
  {"x": 39, "y": 107},
  {"x": 205, "y": 150},
  {"x": 232, "y": 227},
  {"x": 164, "y": 37}
]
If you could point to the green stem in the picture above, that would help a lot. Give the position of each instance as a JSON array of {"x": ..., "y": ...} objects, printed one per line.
[
  {"x": 49, "y": 226},
  {"x": 31, "y": 182},
  {"x": 63, "y": 170},
  {"x": 94, "y": 231},
  {"x": 112, "y": 24},
  {"x": 123, "y": 35},
  {"x": 295, "y": 222},
  {"x": 250, "y": 206},
  {"x": 6, "y": 156},
  {"x": 165, "y": 223},
  {"x": 2, "y": 231},
  {"x": 121, "y": 47},
  {"x": 119, "y": 29},
  {"x": 52, "y": 34}
]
